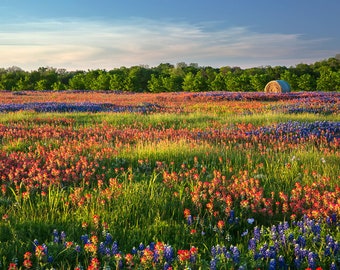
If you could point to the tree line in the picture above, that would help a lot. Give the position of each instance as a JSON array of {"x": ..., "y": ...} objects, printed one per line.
[{"x": 321, "y": 76}]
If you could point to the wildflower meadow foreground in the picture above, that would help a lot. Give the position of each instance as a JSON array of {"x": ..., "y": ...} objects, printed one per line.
[{"x": 216, "y": 180}]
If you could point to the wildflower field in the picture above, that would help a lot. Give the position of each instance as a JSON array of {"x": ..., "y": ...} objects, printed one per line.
[{"x": 215, "y": 180}]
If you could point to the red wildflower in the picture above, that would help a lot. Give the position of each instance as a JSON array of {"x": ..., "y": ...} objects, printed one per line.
[
  {"x": 220, "y": 224},
  {"x": 183, "y": 255},
  {"x": 187, "y": 212},
  {"x": 27, "y": 263},
  {"x": 95, "y": 264},
  {"x": 12, "y": 266}
]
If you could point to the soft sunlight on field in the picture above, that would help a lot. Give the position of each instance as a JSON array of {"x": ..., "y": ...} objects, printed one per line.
[{"x": 169, "y": 181}]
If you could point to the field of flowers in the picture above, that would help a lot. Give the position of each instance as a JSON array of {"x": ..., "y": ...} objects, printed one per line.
[{"x": 216, "y": 180}]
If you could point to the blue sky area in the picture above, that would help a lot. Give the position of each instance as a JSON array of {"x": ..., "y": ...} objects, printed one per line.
[{"x": 106, "y": 34}]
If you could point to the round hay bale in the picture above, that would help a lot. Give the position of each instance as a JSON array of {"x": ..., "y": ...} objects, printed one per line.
[{"x": 277, "y": 86}]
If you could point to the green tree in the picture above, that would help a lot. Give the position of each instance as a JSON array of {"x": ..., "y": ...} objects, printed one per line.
[
  {"x": 102, "y": 81},
  {"x": 173, "y": 83},
  {"x": 77, "y": 82},
  {"x": 328, "y": 80},
  {"x": 306, "y": 82},
  {"x": 117, "y": 82},
  {"x": 259, "y": 81},
  {"x": 137, "y": 79},
  {"x": 219, "y": 83},
  {"x": 189, "y": 82},
  {"x": 155, "y": 84},
  {"x": 42, "y": 85},
  {"x": 200, "y": 81},
  {"x": 291, "y": 78},
  {"x": 58, "y": 86}
]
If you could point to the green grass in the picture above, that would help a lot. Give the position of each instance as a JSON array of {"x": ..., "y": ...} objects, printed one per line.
[{"x": 198, "y": 119}]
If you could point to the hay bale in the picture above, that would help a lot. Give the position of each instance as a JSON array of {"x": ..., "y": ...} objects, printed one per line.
[{"x": 277, "y": 86}]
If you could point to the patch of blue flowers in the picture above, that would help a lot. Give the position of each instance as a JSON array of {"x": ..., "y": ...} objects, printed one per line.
[
  {"x": 298, "y": 130},
  {"x": 76, "y": 107}
]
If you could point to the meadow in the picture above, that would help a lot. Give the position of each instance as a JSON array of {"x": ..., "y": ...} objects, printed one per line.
[{"x": 216, "y": 180}]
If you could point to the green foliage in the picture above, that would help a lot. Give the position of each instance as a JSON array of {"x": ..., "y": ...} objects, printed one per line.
[{"x": 323, "y": 75}]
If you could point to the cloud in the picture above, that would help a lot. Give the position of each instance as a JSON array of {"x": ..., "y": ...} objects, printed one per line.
[{"x": 79, "y": 44}]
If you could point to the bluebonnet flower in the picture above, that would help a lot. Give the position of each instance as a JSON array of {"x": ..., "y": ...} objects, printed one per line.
[
  {"x": 250, "y": 220},
  {"x": 297, "y": 262},
  {"x": 134, "y": 251},
  {"x": 169, "y": 254},
  {"x": 282, "y": 263},
  {"x": 167, "y": 266},
  {"x": 101, "y": 248},
  {"x": 213, "y": 251},
  {"x": 272, "y": 264},
  {"x": 263, "y": 250},
  {"x": 291, "y": 238},
  {"x": 108, "y": 239},
  {"x": 141, "y": 247},
  {"x": 273, "y": 232},
  {"x": 285, "y": 225},
  {"x": 327, "y": 251},
  {"x": 336, "y": 248},
  {"x": 45, "y": 248},
  {"x": 189, "y": 220},
  {"x": 301, "y": 241},
  {"x": 269, "y": 253},
  {"x": 244, "y": 233},
  {"x": 55, "y": 236},
  {"x": 77, "y": 248},
  {"x": 49, "y": 259},
  {"x": 235, "y": 254},
  {"x": 114, "y": 248},
  {"x": 252, "y": 244},
  {"x": 219, "y": 249},
  {"x": 85, "y": 238},
  {"x": 257, "y": 233},
  {"x": 213, "y": 264},
  {"x": 62, "y": 236},
  {"x": 231, "y": 216},
  {"x": 225, "y": 252},
  {"x": 297, "y": 250},
  {"x": 333, "y": 218},
  {"x": 152, "y": 246},
  {"x": 155, "y": 257},
  {"x": 333, "y": 266},
  {"x": 193, "y": 258},
  {"x": 312, "y": 260}
]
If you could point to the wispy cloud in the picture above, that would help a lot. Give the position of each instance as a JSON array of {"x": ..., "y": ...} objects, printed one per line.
[{"x": 76, "y": 44}]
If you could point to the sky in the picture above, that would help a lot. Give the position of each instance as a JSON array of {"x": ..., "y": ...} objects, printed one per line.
[{"x": 108, "y": 34}]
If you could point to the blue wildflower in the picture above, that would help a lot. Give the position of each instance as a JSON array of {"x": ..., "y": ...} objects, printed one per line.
[
  {"x": 272, "y": 264},
  {"x": 55, "y": 236},
  {"x": 244, "y": 233},
  {"x": 282, "y": 263},
  {"x": 108, "y": 239},
  {"x": 213, "y": 264},
  {"x": 141, "y": 247},
  {"x": 62, "y": 236},
  {"x": 189, "y": 220},
  {"x": 114, "y": 248},
  {"x": 85, "y": 239},
  {"x": 169, "y": 254},
  {"x": 235, "y": 254},
  {"x": 252, "y": 244},
  {"x": 257, "y": 234},
  {"x": 333, "y": 266},
  {"x": 250, "y": 220}
]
